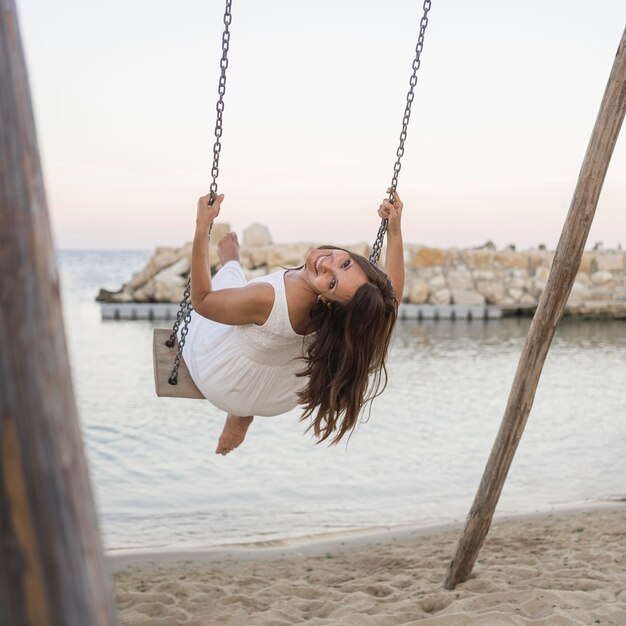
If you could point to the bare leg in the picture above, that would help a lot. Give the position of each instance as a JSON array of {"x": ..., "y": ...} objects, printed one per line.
[
  {"x": 228, "y": 248},
  {"x": 233, "y": 434}
]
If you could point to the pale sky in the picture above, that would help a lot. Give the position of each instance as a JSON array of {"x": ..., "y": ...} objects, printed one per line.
[{"x": 507, "y": 95}]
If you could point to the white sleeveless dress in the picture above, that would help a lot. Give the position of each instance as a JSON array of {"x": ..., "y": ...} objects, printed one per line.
[{"x": 248, "y": 369}]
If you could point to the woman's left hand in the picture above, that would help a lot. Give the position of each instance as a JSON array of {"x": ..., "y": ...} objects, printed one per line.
[
  {"x": 392, "y": 211},
  {"x": 207, "y": 212}
]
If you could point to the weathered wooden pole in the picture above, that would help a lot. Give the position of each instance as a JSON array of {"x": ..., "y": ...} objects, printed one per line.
[
  {"x": 549, "y": 312},
  {"x": 51, "y": 564}
]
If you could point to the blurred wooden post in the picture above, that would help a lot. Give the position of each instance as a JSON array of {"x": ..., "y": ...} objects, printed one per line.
[
  {"x": 549, "y": 312},
  {"x": 51, "y": 564}
]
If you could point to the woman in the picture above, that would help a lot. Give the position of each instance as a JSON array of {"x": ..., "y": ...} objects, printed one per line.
[{"x": 316, "y": 335}]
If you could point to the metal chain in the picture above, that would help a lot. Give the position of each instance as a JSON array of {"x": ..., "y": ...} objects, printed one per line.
[
  {"x": 378, "y": 244},
  {"x": 184, "y": 313},
  {"x": 221, "y": 90},
  {"x": 171, "y": 342}
]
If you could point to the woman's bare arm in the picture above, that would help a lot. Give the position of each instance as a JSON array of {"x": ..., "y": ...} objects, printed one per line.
[
  {"x": 251, "y": 304},
  {"x": 394, "y": 259}
]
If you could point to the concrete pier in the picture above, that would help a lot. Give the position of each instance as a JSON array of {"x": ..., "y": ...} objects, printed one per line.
[{"x": 164, "y": 311}]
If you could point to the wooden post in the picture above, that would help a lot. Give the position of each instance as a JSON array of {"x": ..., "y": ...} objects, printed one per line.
[
  {"x": 51, "y": 563},
  {"x": 549, "y": 312}
]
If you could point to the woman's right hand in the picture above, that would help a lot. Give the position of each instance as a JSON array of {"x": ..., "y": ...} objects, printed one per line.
[
  {"x": 392, "y": 211},
  {"x": 208, "y": 212}
]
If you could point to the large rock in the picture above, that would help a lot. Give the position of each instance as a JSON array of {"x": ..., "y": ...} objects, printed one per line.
[
  {"x": 253, "y": 258},
  {"x": 483, "y": 275},
  {"x": 527, "y": 300},
  {"x": 493, "y": 291},
  {"x": 437, "y": 282},
  {"x": 515, "y": 294},
  {"x": 539, "y": 258},
  {"x": 619, "y": 293},
  {"x": 427, "y": 257},
  {"x": 256, "y": 235},
  {"x": 517, "y": 282},
  {"x": 426, "y": 272},
  {"x": 510, "y": 259},
  {"x": 419, "y": 292},
  {"x": 507, "y": 300},
  {"x": 454, "y": 257},
  {"x": 460, "y": 280},
  {"x": 162, "y": 257},
  {"x": 594, "y": 307},
  {"x": 579, "y": 294},
  {"x": 145, "y": 293},
  {"x": 583, "y": 278},
  {"x": 218, "y": 230},
  {"x": 169, "y": 288},
  {"x": 467, "y": 297},
  {"x": 479, "y": 259},
  {"x": 121, "y": 296},
  {"x": 602, "y": 293},
  {"x": 287, "y": 254},
  {"x": 617, "y": 310},
  {"x": 442, "y": 297},
  {"x": 180, "y": 268},
  {"x": 601, "y": 278},
  {"x": 169, "y": 284},
  {"x": 610, "y": 261}
]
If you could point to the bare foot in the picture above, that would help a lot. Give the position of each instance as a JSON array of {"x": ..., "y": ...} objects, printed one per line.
[
  {"x": 235, "y": 429},
  {"x": 228, "y": 248}
]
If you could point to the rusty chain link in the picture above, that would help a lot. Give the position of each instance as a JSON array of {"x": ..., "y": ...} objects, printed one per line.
[{"x": 380, "y": 237}]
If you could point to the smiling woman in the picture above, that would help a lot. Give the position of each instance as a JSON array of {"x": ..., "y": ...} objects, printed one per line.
[
  {"x": 336, "y": 312},
  {"x": 335, "y": 273},
  {"x": 316, "y": 335}
]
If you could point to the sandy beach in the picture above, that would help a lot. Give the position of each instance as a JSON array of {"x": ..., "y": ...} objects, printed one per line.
[{"x": 546, "y": 569}]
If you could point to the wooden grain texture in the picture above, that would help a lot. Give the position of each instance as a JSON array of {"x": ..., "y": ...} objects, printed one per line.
[
  {"x": 51, "y": 563},
  {"x": 549, "y": 312},
  {"x": 163, "y": 359}
]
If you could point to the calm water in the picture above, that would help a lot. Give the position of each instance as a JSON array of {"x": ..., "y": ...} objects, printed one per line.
[{"x": 418, "y": 459}]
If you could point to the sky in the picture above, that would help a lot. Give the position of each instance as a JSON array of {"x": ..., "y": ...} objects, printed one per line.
[{"x": 507, "y": 95}]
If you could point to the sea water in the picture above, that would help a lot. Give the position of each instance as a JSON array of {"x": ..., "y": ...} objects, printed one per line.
[{"x": 417, "y": 459}]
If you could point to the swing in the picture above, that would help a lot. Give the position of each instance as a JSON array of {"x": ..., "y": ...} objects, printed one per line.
[{"x": 175, "y": 381}]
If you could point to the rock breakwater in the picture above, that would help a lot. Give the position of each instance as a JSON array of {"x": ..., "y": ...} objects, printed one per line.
[{"x": 439, "y": 276}]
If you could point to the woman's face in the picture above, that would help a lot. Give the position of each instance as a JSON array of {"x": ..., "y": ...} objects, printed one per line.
[{"x": 334, "y": 274}]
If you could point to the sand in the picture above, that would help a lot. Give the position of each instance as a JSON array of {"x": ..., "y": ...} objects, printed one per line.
[{"x": 552, "y": 569}]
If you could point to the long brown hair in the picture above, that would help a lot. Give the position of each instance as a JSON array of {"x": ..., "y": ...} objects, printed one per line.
[{"x": 345, "y": 362}]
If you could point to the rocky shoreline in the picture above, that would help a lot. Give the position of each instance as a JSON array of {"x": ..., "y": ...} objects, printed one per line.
[{"x": 437, "y": 276}]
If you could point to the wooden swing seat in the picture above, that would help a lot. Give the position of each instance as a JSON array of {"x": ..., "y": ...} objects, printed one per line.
[{"x": 163, "y": 358}]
